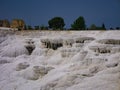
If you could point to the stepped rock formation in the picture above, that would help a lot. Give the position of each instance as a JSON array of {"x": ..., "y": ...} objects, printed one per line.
[{"x": 60, "y": 60}]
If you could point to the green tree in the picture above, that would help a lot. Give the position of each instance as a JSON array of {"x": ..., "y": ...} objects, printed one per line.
[
  {"x": 1, "y": 22},
  {"x": 79, "y": 24},
  {"x": 103, "y": 26},
  {"x": 36, "y": 27},
  {"x": 42, "y": 27},
  {"x": 4, "y": 23},
  {"x": 56, "y": 23},
  {"x": 93, "y": 27},
  {"x": 117, "y": 28},
  {"x": 111, "y": 28},
  {"x": 29, "y": 27}
]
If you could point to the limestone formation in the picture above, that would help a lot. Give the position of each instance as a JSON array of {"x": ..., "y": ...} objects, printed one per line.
[
  {"x": 22, "y": 66},
  {"x": 84, "y": 39},
  {"x": 4, "y": 61},
  {"x": 110, "y": 41},
  {"x": 101, "y": 49},
  {"x": 30, "y": 45},
  {"x": 14, "y": 50},
  {"x": 63, "y": 60},
  {"x": 36, "y": 72},
  {"x": 69, "y": 46},
  {"x": 68, "y": 42},
  {"x": 52, "y": 43},
  {"x": 69, "y": 52}
]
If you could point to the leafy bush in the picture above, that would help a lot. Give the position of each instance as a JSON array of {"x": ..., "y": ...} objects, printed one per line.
[
  {"x": 79, "y": 24},
  {"x": 56, "y": 23}
]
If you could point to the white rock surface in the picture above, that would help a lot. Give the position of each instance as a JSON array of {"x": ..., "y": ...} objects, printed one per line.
[{"x": 61, "y": 60}]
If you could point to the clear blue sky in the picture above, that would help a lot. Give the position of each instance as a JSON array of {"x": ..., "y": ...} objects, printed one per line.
[{"x": 38, "y": 12}]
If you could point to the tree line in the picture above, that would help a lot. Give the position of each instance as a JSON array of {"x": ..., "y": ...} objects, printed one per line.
[
  {"x": 56, "y": 23},
  {"x": 15, "y": 23}
]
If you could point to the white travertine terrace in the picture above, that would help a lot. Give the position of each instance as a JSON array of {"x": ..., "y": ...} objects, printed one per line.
[{"x": 60, "y": 60}]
